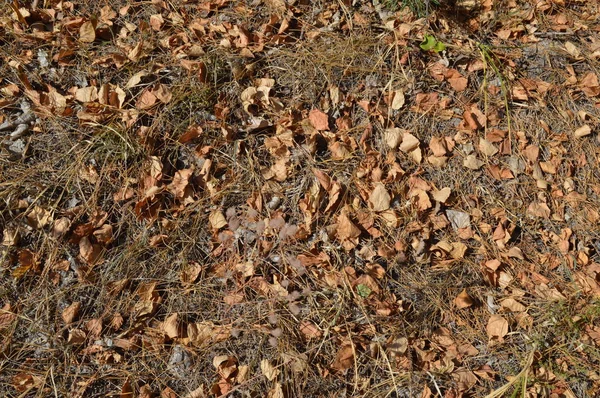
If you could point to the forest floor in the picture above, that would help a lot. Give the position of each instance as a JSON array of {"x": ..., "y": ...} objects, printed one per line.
[{"x": 294, "y": 198}]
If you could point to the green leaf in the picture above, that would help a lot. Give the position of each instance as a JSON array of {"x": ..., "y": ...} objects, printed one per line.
[
  {"x": 363, "y": 290},
  {"x": 431, "y": 43},
  {"x": 428, "y": 43}
]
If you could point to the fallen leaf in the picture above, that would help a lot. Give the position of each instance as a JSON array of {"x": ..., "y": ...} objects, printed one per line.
[
  {"x": 71, "y": 312},
  {"x": 463, "y": 300},
  {"x": 310, "y": 330},
  {"x": 217, "y": 220},
  {"x": 487, "y": 148},
  {"x": 512, "y": 305},
  {"x": 318, "y": 119},
  {"x": 380, "y": 198},
  {"x": 409, "y": 142},
  {"x": 458, "y": 219},
  {"x": 170, "y": 326},
  {"x": 456, "y": 80},
  {"x": 493, "y": 264},
  {"x": 398, "y": 101},
  {"x": 344, "y": 359},
  {"x": 393, "y": 137},
  {"x": 87, "y": 32},
  {"x": 268, "y": 370},
  {"x": 497, "y": 327},
  {"x": 538, "y": 209},
  {"x": 442, "y": 195},
  {"x": 471, "y": 162},
  {"x": 582, "y": 131}
]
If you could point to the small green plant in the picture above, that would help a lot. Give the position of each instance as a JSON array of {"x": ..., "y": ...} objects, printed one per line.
[
  {"x": 421, "y": 8},
  {"x": 430, "y": 43},
  {"x": 363, "y": 290}
]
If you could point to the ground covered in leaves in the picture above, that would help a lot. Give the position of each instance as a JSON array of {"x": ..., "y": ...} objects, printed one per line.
[{"x": 293, "y": 198}]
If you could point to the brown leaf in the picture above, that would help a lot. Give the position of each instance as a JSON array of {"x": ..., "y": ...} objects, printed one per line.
[
  {"x": 497, "y": 327},
  {"x": 170, "y": 326},
  {"x": 217, "y": 219},
  {"x": 76, "y": 337},
  {"x": 38, "y": 217},
  {"x": 7, "y": 317},
  {"x": 493, "y": 264},
  {"x": 318, "y": 119},
  {"x": 463, "y": 300},
  {"x": 398, "y": 101},
  {"x": 456, "y": 80},
  {"x": 268, "y": 370},
  {"x": 438, "y": 146},
  {"x": 512, "y": 305},
  {"x": 146, "y": 100},
  {"x": 442, "y": 195},
  {"x": 472, "y": 162},
  {"x": 346, "y": 228},
  {"x": 136, "y": 52},
  {"x": 71, "y": 312},
  {"x": 87, "y": 32},
  {"x": 104, "y": 234},
  {"x": 538, "y": 209},
  {"x": 409, "y": 142},
  {"x": 344, "y": 358},
  {"x": 380, "y": 198},
  {"x": 582, "y": 131},
  {"x": 393, "y": 137},
  {"x": 163, "y": 93},
  {"x": 487, "y": 148},
  {"x": 88, "y": 251},
  {"x": 310, "y": 330},
  {"x": 180, "y": 182}
]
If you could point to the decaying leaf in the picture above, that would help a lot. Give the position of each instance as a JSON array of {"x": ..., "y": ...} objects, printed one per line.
[
  {"x": 497, "y": 327},
  {"x": 344, "y": 359},
  {"x": 268, "y": 370},
  {"x": 463, "y": 300},
  {"x": 380, "y": 198}
]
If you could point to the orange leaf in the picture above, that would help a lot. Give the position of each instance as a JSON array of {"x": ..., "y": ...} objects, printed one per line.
[
  {"x": 318, "y": 119},
  {"x": 463, "y": 300}
]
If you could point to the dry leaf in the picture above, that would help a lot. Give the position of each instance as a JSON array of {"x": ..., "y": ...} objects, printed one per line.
[
  {"x": 442, "y": 195},
  {"x": 512, "y": 305},
  {"x": 497, "y": 327},
  {"x": 380, "y": 198},
  {"x": 344, "y": 358},
  {"x": 438, "y": 146},
  {"x": 310, "y": 330},
  {"x": 409, "y": 142},
  {"x": 170, "y": 326},
  {"x": 70, "y": 313},
  {"x": 463, "y": 300},
  {"x": 573, "y": 50},
  {"x": 487, "y": 148},
  {"x": 472, "y": 162},
  {"x": 456, "y": 80},
  {"x": 217, "y": 219},
  {"x": 318, "y": 119},
  {"x": 582, "y": 131},
  {"x": 393, "y": 137},
  {"x": 87, "y": 32},
  {"x": 538, "y": 209},
  {"x": 398, "y": 101},
  {"x": 268, "y": 370},
  {"x": 277, "y": 390},
  {"x": 458, "y": 219}
]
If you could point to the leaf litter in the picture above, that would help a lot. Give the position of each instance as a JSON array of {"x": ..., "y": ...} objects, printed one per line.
[{"x": 293, "y": 198}]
